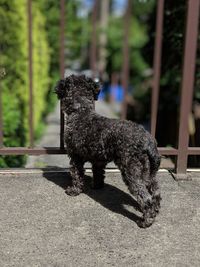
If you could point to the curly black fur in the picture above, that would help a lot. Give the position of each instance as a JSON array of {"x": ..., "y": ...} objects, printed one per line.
[{"x": 99, "y": 140}]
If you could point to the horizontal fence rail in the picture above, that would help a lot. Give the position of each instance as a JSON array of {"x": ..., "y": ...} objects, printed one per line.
[
  {"x": 165, "y": 151},
  {"x": 183, "y": 151},
  {"x": 31, "y": 151}
]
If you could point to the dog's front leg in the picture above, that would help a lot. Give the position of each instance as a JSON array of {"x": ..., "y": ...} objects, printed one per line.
[
  {"x": 77, "y": 174},
  {"x": 98, "y": 175}
]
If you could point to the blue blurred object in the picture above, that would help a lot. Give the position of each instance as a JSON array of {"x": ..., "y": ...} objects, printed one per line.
[
  {"x": 117, "y": 93},
  {"x": 101, "y": 95},
  {"x": 104, "y": 91},
  {"x": 114, "y": 91}
]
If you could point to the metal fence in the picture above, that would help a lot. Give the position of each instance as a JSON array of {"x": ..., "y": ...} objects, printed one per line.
[{"x": 188, "y": 73}]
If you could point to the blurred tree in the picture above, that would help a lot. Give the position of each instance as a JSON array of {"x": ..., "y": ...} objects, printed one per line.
[
  {"x": 41, "y": 61},
  {"x": 77, "y": 35},
  {"x": 137, "y": 40},
  {"x": 103, "y": 21},
  {"x": 51, "y": 12},
  {"x": 14, "y": 85}
]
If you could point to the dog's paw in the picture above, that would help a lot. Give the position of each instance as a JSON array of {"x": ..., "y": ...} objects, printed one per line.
[
  {"x": 73, "y": 191},
  {"x": 145, "y": 223}
]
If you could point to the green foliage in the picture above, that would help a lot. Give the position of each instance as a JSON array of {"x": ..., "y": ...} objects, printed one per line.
[
  {"x": 138, "y": 38},
  {"x": 142, "y": 9},
  {"x": 76, "y": 38},
  {"x": 78, "y": 32},
  {"x": 73, "y": 36},
  {"x": 14, "y": 58},
  {"x": 114, "y": 45},
  {"x": 51, "y": 11},
  {"x": 41, "y": 59}
]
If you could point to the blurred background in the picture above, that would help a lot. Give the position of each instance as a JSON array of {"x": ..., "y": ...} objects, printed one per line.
[{"x": 110, "y": 40}]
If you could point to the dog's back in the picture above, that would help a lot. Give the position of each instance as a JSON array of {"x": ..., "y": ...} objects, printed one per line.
[{"x": 101, "y": 138}]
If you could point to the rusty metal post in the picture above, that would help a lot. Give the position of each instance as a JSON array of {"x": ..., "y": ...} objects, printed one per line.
[
  {"x": 93, "y": 45},
  {"x": 30, "y": 65},
  {"x": 1, "y": 116},
  {"x": 125, "y": 52},
  {"x": 104, "y": 15},
  {"x": 62, "y": 65},
  {"x": 188, "y": 75},
  {"x": 157, "y": 65}
]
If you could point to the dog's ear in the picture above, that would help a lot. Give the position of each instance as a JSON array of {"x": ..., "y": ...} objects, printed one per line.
[
  {"x": 60, "y": 89},
  {"x": 95, "y": 86}
]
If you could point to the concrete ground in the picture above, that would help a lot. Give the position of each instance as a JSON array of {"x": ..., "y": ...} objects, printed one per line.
[{"x": 42, "y": 226}]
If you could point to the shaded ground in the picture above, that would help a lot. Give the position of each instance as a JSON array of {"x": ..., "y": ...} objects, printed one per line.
[{"x": 41, "y": 226}]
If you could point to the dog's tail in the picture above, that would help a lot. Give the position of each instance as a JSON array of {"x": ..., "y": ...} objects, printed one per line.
[{"x": 154, "y": 156}]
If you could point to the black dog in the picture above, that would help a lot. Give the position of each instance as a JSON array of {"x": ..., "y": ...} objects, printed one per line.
[{"x": 99, "y": 140}]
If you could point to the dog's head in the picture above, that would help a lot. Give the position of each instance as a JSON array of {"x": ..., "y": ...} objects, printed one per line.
[{"x": 77, "y": 92}]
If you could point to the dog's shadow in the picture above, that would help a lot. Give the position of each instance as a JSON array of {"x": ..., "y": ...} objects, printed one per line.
[{"x": 109, "y": 197}]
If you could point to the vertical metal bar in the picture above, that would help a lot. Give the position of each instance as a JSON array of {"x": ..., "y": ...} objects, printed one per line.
[
  {"x": 104, "y": 14},
  {"x": 125, "y": 52},
  {"x": 1, "y": 116},
  {"x": 157, "y": 65},
  {"x": 30, "y": 63},
  {"x": 62, "y": 64},
  {"x": 93, "y": 45},
  {"x": 188, "y": 75}
]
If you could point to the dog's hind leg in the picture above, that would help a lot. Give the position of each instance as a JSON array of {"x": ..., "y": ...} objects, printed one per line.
[
  {"x": 154, "y": 163},
  {"x": 150, "y": 179},
  {"x": 98, "y": 169},
  {"x": 77, "y": 174},
  {"x": 135, "y": 176},
  {"x": 155, "y": 192}
]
